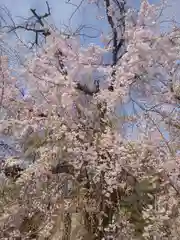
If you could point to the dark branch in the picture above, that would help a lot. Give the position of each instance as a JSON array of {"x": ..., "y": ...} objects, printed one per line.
[
  {"x": 117, "y": 44},
  {"x": 86, "y": 90},
  {"x": 30, "y": 25},
  {"x": 40, "y": 17}
]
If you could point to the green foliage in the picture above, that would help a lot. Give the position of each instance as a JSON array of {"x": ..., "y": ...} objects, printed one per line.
[
  {"x": 8, "y": 195},
  {"x": 142, "y": 195},
  {"x": 34, "y": 142}
]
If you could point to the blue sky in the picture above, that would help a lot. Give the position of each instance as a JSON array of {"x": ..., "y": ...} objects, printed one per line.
[{"x": 61, "y": 12}]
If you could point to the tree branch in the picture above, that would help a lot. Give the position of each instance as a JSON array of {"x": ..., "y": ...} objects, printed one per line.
[
  {"x": 117, "y": 43},
  {"x": 31, "y": 26}
]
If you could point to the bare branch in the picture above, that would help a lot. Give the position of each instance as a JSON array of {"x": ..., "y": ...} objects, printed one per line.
[{"x": 31, "y": 26}]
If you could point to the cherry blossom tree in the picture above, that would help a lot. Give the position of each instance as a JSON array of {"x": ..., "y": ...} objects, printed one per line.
[{"x": 80, "y": 177}]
